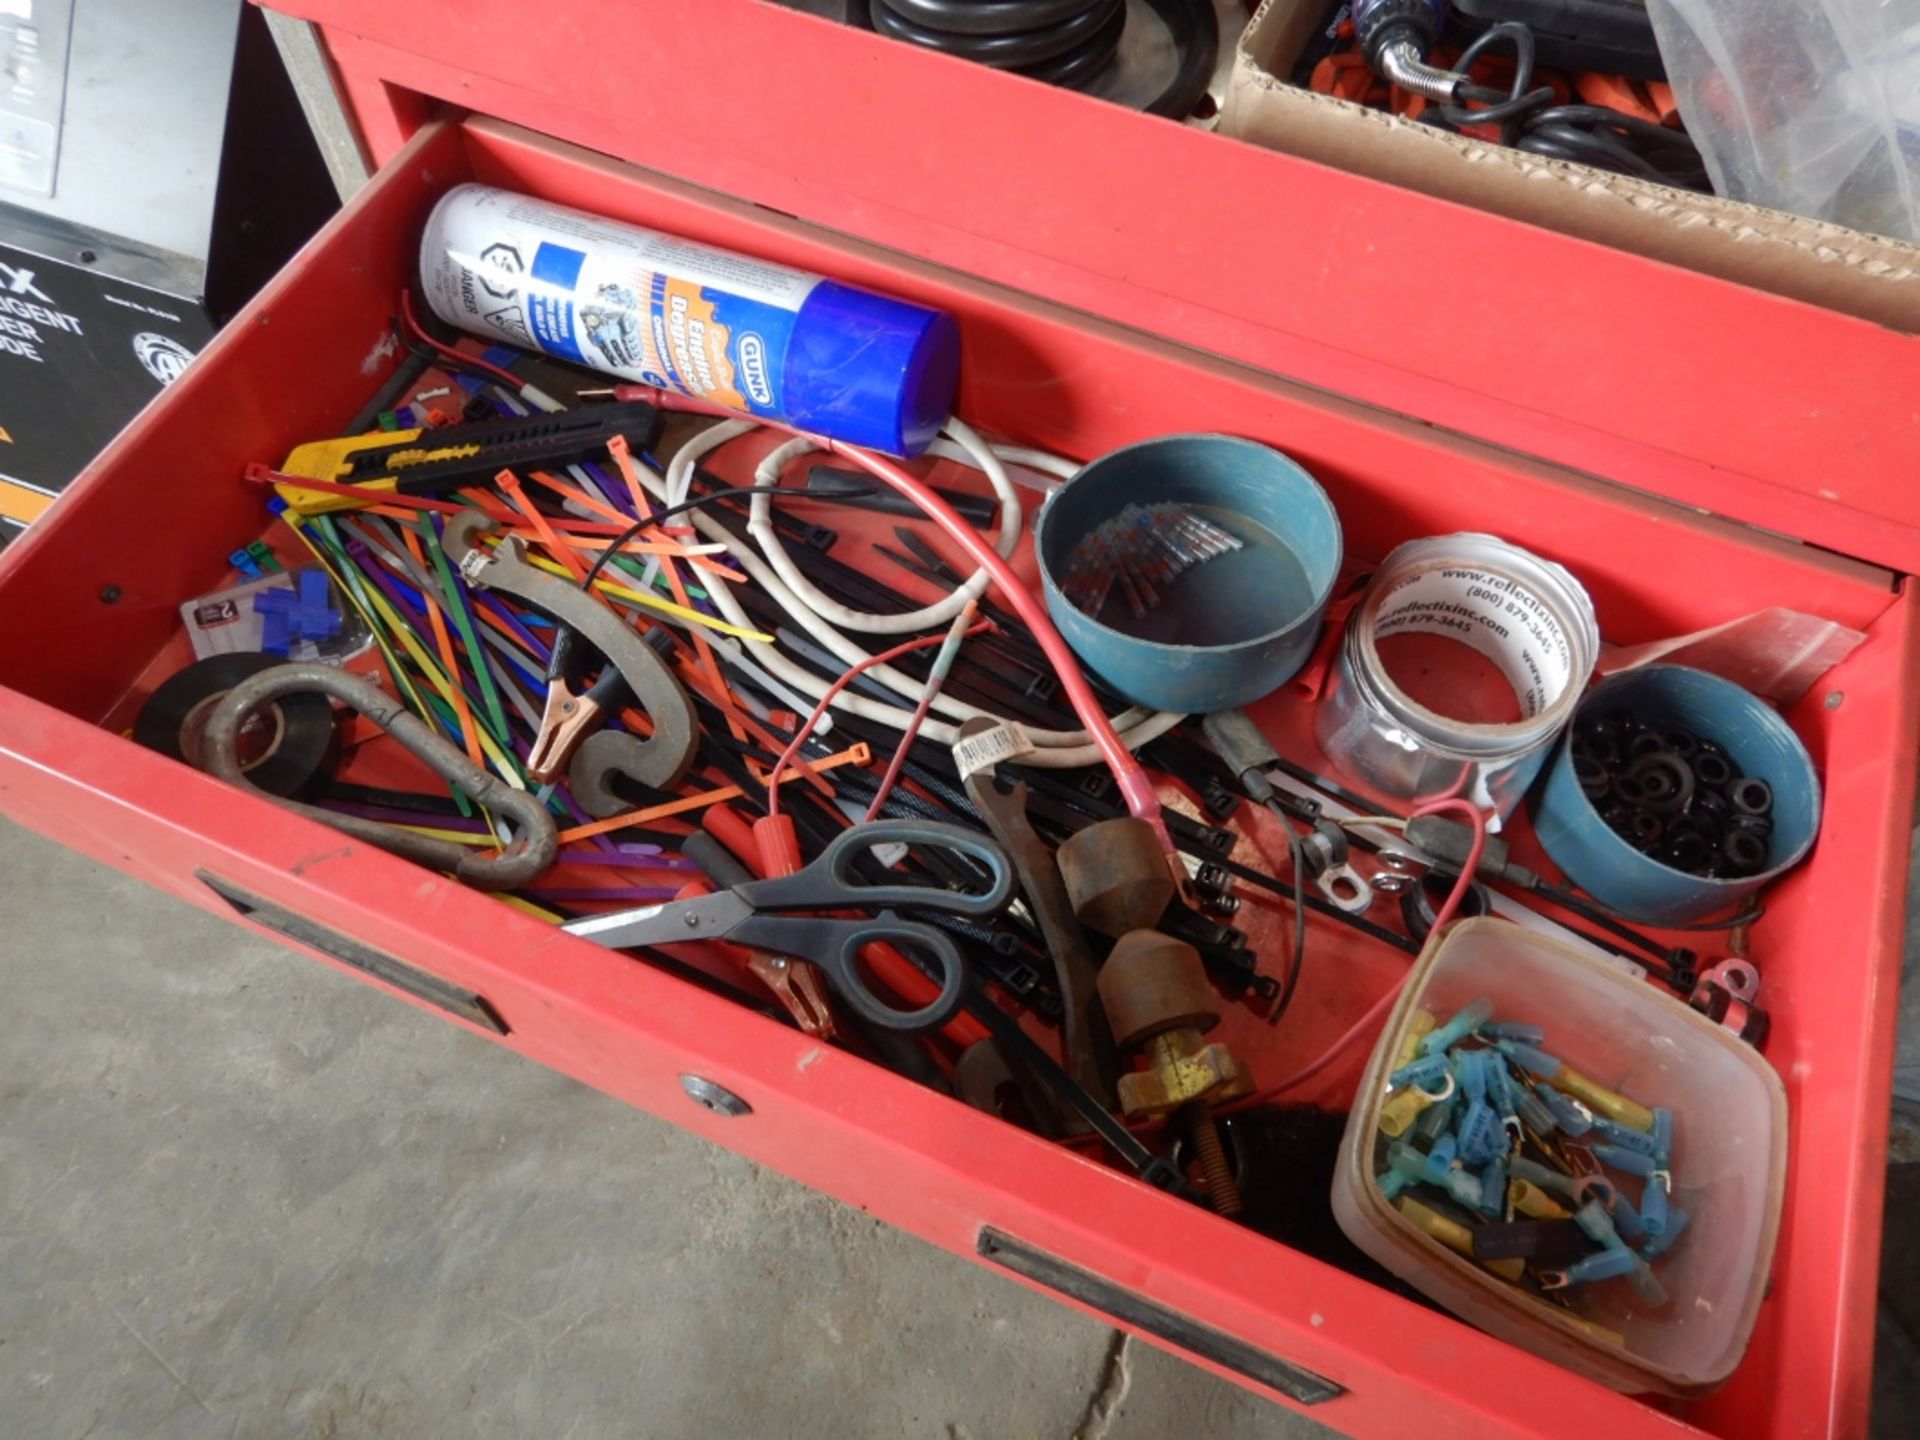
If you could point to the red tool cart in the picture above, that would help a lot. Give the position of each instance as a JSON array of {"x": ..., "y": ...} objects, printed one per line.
[{"x": 1694, "y": 450}]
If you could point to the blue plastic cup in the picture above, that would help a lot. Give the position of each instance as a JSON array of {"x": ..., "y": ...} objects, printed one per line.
[
  {"x": 1757, "y": 740},
  {"x": 1225, "y": 631}
]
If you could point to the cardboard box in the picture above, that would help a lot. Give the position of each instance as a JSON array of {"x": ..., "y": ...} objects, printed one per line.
[{"x": 1864, "y": 275}]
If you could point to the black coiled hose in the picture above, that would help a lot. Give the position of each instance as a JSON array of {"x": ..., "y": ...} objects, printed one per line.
[
  {"x": 1062, "y": 42},
  {"x": 1591, "y": 134}
]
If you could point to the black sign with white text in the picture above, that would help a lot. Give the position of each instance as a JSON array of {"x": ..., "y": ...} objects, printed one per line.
[{"x": 80, "y": 354}]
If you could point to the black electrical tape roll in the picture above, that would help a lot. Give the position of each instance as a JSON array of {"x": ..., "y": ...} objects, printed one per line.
[{"x": 286, "y": 748}]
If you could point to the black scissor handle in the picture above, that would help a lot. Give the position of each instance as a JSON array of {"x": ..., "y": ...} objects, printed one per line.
[
  {"x": 835, "y": 945},
  {"x": 831, "y": 883}
]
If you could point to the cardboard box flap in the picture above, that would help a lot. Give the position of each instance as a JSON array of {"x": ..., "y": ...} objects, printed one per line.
[{"x": 1717, "y": 394}]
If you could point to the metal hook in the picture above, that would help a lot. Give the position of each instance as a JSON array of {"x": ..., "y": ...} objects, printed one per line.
[{"x": 535, "y": 841}]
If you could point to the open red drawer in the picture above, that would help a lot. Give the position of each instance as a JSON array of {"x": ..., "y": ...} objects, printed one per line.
[{"x": 92, "y": 595}]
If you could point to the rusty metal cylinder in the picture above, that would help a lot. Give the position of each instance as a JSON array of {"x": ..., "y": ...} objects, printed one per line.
[
  {"x": 1153, "y": 983},
  {"x": 1116, "y": 875}
]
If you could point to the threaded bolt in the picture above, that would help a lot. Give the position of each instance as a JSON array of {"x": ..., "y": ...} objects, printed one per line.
[{"x": 1203, "y": 1135}]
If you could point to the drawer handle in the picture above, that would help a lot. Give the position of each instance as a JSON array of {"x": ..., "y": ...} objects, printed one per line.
[
  {"x": 1294, "y": 1381},
  {"x": 468, "y": 1005}
]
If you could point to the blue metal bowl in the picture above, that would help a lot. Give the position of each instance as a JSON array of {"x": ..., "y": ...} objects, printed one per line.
[
  {"x": 1225, "y": 631},
  {"x": 1758, "y": 741}
]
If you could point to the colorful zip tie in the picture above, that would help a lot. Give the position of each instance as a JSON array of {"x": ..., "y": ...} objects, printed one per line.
[
  {"x": 462, "y": 612},
  {"x": 350, "y": 587},
  {"x": 665, "y": 607},
  {"x": 443, "y": 642},
  {"x": 854, "y": 755}
]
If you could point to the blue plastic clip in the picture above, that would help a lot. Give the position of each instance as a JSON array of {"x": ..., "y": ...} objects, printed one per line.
[
  {"x": 1621, "y": 1158},
  {"x": 1607, "y": 1265},
  {"x": 1655, "y": 1209},
  {"x": 1663, "y": 1136},
  {"x": 1658, "y": 1244},
  {"x": 1393, "y": 1183},
  {"x": 1404, "y": 1159},
  {"x": 1537, "y": 1062},
  {"x": 1627, "y": 1219},
  {"x": 1594, "y": 1220},
  {"x": 1481, "y": 1137},
  {"x": 1512, "y": 1030},
  {"x": 1465, "y": 1021},
  {"x": 245, "y": 564},
  {"x": 1470, "y": 1069},
  {"x": 1436, "y": 1168},
  {"x": 1568, "y": 1113},
  {"x": 1533, "y": 1112},
  {"x": 1437, "y": 1119},
  {"x": 1592, "y": 1217},
  {"x": 1625, "y": 1135},
  {"x": 1428, "y": 1073},
  {"x": 1503, "y": 1095},
  {"x": 304, "y": 613},
  {"x": 1501, "y": 1091},
  {"x": 1493, "y": 1186}
]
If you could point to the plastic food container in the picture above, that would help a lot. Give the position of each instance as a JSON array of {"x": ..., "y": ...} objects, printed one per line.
[{"x": 1729, "y": 1162}]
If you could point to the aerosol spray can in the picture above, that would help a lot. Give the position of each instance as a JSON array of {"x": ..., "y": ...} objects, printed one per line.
[{"x": 762, "y": 339}]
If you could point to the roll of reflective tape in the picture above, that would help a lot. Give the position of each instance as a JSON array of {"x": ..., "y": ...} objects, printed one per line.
[{"x": 1527, "y": 616}]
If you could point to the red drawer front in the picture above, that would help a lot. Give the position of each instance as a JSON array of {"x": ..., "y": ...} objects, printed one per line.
[{"x": 150, "y": 525}]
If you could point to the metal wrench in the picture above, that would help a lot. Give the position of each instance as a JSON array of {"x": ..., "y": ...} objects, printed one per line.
[
  {"x": 1086, "y": 1042},
  {"x": 986, "y": 1081},
  {"x": 660, "y": 761}
]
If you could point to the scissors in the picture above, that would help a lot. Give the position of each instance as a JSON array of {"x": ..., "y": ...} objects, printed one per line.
[{"x": 759, "y": 915}]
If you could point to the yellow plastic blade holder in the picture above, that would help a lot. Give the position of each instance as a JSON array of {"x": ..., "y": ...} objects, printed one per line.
[
  {"x": 333, "y": 461},
  {"x": 386, "y": 461}
]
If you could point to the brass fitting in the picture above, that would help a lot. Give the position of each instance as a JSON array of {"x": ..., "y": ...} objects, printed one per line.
[
  {"x": 1159, "y": 1003},
  {"x": 1183, "y": 1067}
]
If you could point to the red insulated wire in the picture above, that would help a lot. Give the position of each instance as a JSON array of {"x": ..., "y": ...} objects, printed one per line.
[
  {"x": 1369, "y": 1021},
  {"x": 806, "y": 726},
  {"x": 1136, "y": 788},
  {"x": 454, "y": 356},
  {"x": 899, "y": 760},
  {"x": 936, "y": 678},
  {"x": 1143, "y": 802}
]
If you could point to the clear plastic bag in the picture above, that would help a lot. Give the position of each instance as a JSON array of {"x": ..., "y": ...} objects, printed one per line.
[
  {"x": 1810, "y": 106},
  {"x": 1777, "y": 653}
]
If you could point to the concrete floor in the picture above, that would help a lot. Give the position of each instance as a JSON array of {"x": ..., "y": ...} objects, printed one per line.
[{"x": 242, "y": 1195}]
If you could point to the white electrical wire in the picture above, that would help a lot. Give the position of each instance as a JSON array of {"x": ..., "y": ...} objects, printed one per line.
[
  {"x": 766, "y": 477},
  {"x": 1057, "y": 749},
  {"x": 1051, "y": 467}
]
